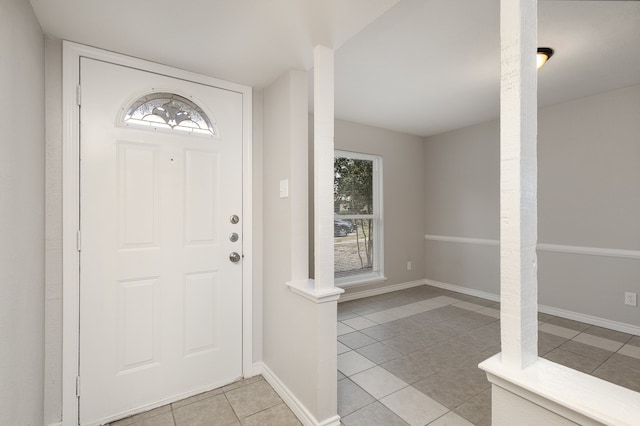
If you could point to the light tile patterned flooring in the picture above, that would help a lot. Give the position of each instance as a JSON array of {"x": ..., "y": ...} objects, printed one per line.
[
  {"x": 250, "y": 402},
  {"x": 411, "y": 356}
]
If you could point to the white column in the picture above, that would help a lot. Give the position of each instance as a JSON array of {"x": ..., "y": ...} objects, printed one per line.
[
  {"x": 526, "y": 389},
  {"x": 518, "y": 183},
  {"x": 323, "y": 164}
]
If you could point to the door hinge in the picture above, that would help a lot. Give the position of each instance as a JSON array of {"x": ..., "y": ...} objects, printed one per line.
[
  {"x": 78, "y": 241},
  {"x": 77, "y": 386},
  {"x": 78, "y": 95}
]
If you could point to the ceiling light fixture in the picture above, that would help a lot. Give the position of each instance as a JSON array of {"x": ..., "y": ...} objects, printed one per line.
[{"x": 544, "y": 53}]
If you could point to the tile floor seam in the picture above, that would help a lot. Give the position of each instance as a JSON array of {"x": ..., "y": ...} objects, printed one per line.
[
  {"x": 235, "y": 413},
  {"x": 621, "y": 347},
  {"x": 614, "y": 342},
  {"x": 436, "y": 419},
  {"x": 362, "y": 389},
  {"x": 625, "y": 351},
  {"x": 467, "y": 400},
  {"x": 609, "y": 357},
  {"x": 366, "y": 405},
  {"x": 260, "y": 411},
  {"x": 575, "y": 353},
  {"x": 629, "y": 338}
]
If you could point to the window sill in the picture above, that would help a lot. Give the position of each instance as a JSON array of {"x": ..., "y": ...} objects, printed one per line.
[{"x": 360, "y": 279}]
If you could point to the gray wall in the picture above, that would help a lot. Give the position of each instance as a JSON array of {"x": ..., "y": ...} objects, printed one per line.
[
  {"x": 289, "y": 320},
  {"x": 588, "y": 174},
  {"x": 403, "y": 195},
  {"x": 22, "y": 195},
  {"x": 462, "y": 199},
  {"x": 462, "y": 182}
]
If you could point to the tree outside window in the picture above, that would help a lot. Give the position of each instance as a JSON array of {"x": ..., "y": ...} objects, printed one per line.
[{"x": 358, "y": 219}]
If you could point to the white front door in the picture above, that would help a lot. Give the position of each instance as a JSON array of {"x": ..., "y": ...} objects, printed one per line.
[{"x": 160, "y": 299}]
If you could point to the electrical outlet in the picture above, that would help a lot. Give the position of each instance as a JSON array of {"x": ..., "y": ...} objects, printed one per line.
[
  {"x": 630, "y": 298},
  {"x": 408, "y": 266}
]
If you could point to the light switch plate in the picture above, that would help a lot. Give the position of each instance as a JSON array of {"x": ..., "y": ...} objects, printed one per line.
[{"x": 284, "y": 188}]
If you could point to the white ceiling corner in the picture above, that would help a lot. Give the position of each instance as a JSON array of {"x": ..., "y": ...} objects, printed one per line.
[
  {"x": 415, "y": 66},
  {"x": 245, "y": 41}
]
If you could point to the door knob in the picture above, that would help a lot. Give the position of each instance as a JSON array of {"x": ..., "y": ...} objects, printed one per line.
[
  {"x": 234, "y": 219},
  {"x": 233, "y": 237},
  {"x": 234, "y": 257}
]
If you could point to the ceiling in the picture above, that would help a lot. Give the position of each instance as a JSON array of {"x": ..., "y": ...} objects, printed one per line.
[
  {"x": 429, "y": 66},
  {"x": 245, "y": 41},
  {"x": 415, "y": 66}
]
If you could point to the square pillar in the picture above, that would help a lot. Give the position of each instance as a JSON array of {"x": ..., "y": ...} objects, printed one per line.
[
  {"x": 323, "y": 148},
  {"x": 518, "y": 183}
]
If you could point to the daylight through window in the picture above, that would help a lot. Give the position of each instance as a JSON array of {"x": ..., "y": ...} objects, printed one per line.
[
  {"x": 169, "y": 111},
  {"x": 357, "y": 225}
]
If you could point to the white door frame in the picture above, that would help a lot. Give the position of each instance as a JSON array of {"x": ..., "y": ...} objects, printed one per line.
[{"x": 72, "y": 52}]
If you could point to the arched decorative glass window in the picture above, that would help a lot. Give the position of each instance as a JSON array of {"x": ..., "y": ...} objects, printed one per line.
[{"x": 169, "y": 111}]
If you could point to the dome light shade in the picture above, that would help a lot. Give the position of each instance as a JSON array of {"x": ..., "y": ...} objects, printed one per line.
[{"x": 544, "y": 53}]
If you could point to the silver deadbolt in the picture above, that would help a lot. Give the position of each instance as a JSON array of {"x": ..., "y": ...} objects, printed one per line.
[
  {"x": 234, "y": 257},
  {"x": 234, "y": 219},
  {"x": 233, "y": 237}
]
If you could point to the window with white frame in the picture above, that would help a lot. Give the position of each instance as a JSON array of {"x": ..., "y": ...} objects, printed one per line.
[{"x": 357, "y": 225}]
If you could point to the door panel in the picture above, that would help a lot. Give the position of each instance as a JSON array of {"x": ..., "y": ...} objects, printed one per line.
[
  {"x": 201, "y": 299},
  {"x": 138, "y": 330},
  {"x": 138, "y": 194},
  {"x": 201, "y": 178},
  {"x": 160, "y": 302}
]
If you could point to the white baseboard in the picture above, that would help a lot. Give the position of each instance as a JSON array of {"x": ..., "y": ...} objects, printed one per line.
[
  {"x": 464, "y": 290},
  {"x": 380, "y": 290},
  {"x": 298, "y": 408},
  {"x": 600, "y": 322},
  {"x": 576, "y": 316},
  {"x": 55, "y": 424}
]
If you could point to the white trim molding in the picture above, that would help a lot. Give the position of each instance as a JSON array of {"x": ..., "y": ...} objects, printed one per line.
[
  {"x": 464, "y": 290},
  {"x": 590, "y": 251},
  {"x": 556, "y": 248},
  {"x": 576, "y": 316},
  {"x": 307, "y": 289},
  {"x": 463, "y": 240},
  {"x": 298, "y": 408},
  {"x": 381, "y": 290},
  {"x": 71, "y": 54},
  {"x": 568, "y": 393},
  {"x": 358, "y": 280},
  {"x": 589, "y": 319}
]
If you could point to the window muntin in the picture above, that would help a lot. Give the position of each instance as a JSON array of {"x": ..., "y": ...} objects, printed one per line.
[
  {"x": 358, "y": 218},
  {"x": 162, "y": 110}
]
